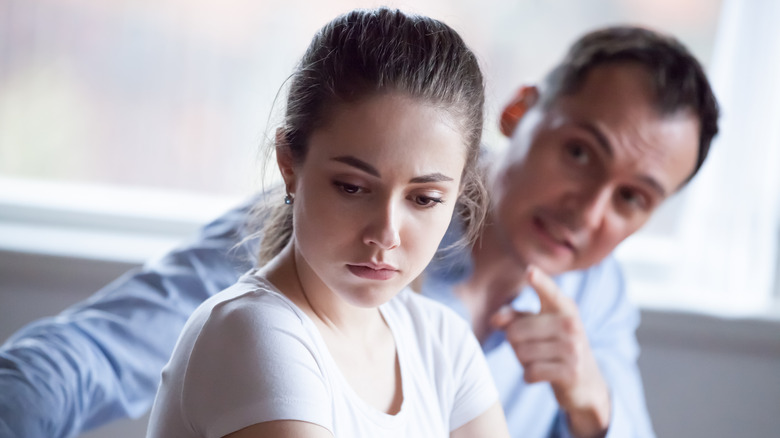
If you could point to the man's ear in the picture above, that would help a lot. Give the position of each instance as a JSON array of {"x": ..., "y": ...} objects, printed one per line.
[
  {"x": 523, "y": 100},
  {"x": 284, "y": 159}
]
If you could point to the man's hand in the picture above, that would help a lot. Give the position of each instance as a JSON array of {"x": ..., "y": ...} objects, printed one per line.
[{"x": 552, "y": 347}]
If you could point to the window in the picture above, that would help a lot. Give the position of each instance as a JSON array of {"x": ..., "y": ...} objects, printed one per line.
[
  {"x": 174, "y": 94},
  {"x": 156, "y": 111},
  {"x": 721, "y": 253}
]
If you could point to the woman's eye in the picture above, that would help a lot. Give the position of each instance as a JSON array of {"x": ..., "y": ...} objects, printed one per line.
[
  {"x": 427, "y": 201},
  {"x": 347, "y": 188},
  {"x": 578, "y": 153}
]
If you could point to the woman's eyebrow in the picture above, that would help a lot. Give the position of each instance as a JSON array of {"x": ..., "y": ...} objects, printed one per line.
[
  {"x": 371, "y": 170},
  {"x": 432, "y": 177},
  {"x": 358, "y": 163}
]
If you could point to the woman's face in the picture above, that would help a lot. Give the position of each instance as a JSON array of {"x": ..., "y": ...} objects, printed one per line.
[{"x": 374, "y": 196}]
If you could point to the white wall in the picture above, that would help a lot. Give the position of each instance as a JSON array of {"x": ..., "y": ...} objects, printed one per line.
[
  {"x": 710, "y": 377},
  {"x": 704, "y": 376}
]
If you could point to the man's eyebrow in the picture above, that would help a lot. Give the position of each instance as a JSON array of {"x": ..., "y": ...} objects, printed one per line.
[
  {"x": 654, "y": 184},
  {"x": 601, "y": 139},
  {"x": 357, "y": 163}
]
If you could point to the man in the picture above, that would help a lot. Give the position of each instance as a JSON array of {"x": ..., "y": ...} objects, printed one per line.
[{"x": 621, "y": 124}]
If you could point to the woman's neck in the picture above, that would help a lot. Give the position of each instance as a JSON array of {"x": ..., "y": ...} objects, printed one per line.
[
  {"x": 358, "y": 339},
  {"x": 298, "y": 282}
]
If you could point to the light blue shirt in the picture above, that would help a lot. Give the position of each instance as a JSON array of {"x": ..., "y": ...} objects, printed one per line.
[
  {"x": 610, "y": 322},
  {"x": 101, "y": 359}
]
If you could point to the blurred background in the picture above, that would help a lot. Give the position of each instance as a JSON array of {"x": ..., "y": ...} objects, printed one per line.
[
  {"x": 176, "y": 94},
  {"x": 125, "y": 125}
]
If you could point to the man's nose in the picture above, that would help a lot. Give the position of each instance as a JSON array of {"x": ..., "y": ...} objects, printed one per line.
[
  {"x": 383, "y": 229},
  {"x": 590, "y": 206}
]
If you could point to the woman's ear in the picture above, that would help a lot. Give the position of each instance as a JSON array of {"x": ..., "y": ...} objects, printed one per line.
[
  {"x": 285, "y": 161},
  {"x": 523, "y": 100}
]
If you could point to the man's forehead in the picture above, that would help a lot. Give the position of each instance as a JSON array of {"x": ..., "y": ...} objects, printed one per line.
[{"x": 612, "y": 87}]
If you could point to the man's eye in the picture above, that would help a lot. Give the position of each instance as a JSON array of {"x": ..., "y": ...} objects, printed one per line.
[
  {"x": 579, "y": 153},
  {"x": 631, "y": 197}
]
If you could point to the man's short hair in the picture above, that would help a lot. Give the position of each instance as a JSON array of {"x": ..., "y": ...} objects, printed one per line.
[{"x": 677, "y": 77}]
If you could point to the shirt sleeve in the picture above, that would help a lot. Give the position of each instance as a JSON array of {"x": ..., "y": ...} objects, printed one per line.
[
  {"x": 611, "y": 321},
  {"x": 101, "y": 359},
  {"x": 476, "y": 392},
  {"x": 252, "y": 362}
]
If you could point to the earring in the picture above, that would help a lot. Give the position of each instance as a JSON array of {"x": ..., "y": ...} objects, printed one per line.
[{"x": 288, "y": 199}]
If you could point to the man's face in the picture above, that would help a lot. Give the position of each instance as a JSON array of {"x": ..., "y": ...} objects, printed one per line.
[{"x": 587, "y": 172}]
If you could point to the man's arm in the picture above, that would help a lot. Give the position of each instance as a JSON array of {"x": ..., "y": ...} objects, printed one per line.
[
  {"x": 610, "y": 321},
  {"x": 101, "y": 359}
]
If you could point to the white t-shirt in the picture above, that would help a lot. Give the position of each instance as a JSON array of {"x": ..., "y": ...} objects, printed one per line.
[{"x": 249, "y": 355}]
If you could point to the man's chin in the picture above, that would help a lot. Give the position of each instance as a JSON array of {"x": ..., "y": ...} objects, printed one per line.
[
  {"x": 524, "y": 250},
  {"x": 554, "y": 268},
  {"x": 551, "y": 265}
]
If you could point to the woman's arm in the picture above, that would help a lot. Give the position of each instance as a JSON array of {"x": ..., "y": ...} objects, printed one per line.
[
  {"x": 282, "y": 429},
  {"x": 491, "y": 424}
]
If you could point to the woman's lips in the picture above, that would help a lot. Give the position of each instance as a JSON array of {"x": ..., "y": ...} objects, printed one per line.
[{"x": 373, "y": 272}]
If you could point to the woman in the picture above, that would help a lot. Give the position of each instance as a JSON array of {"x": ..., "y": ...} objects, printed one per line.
[{"x": 378, "y": 146}]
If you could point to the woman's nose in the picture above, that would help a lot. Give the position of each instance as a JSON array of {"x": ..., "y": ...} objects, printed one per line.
[{"x": 383, "y": 229}]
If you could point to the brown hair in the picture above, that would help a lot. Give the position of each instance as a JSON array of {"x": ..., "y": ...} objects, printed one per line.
[
  {"x": 676, "y": 76},
  {"x": 368, "y": 52}
]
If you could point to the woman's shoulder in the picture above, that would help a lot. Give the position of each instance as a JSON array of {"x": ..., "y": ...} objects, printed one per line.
[
  {"x": 247, "y": 321},
  {"x": 250, "y": 357},
  {"x": 251, "y": 303}
]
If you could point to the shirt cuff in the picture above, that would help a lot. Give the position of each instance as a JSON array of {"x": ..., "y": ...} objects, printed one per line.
[{"x": 619, "y": 423}]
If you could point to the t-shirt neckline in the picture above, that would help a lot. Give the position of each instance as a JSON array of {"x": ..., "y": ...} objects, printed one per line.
[{"x": 378, "y": 417}]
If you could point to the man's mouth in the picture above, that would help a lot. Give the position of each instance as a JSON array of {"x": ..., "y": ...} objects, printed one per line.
[{"x": 556, "y": 236}]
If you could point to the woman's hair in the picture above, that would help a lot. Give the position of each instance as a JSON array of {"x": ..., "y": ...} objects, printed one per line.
[{"x": 370, "y": 52}]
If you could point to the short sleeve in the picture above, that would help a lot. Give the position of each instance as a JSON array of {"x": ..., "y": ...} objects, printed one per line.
[
  {"x": 253, "y": 361},
  {"x": 475, "y": 391}
]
